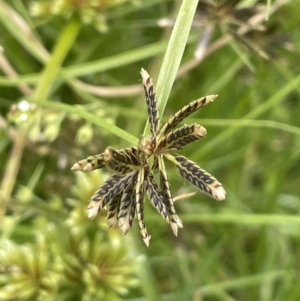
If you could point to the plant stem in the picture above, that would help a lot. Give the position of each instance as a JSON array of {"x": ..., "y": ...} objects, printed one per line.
[
  {"x": 42, "y": 90},
  {"x": 53, "y": 66},
  {"x": 174, "y": 53},
  {"x": 11, "y": 171}
]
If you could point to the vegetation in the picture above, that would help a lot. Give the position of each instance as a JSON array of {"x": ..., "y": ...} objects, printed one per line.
[{"x": 71, "y": 87}]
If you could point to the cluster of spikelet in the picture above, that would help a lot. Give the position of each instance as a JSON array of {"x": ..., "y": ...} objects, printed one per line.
[{"x": 122, "y": 195}]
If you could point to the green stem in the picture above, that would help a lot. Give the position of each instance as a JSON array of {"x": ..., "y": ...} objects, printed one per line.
[
  {"x": 11, "y": 171},
  {"x": 253, "y": 220},
  {"x": 49, "y": 74},
  {"x": 242, "y": 282},
  {"x": 255, "y": 113},
  {"x": 174, "y": 53},
  {"x": 20, "y": 30},
  {"x": 62, "y": 47},
  {"x": 82, "y": 112}
]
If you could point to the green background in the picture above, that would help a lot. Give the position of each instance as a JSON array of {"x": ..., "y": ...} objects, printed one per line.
[{"x": 78, "y": 67}]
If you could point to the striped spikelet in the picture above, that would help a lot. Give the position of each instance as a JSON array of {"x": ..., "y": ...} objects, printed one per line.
[
  {"x": 165, "y": 187},
  {"x": 123, "y": 193},
  {"x": 200, "y": 178},
  {"x": 139, "y": 203},
  {"x": 156, "y": 197},
  {"x": 106, "y": 193},
  {"x": 185, "y": 112},
  {"x": 89, "y": 164},
  {"x": 112, "y": 211},
  {"x": 127, "y": 209},
  {"x": 153, "y": 114},
  {"x": 177, "y": 139}
]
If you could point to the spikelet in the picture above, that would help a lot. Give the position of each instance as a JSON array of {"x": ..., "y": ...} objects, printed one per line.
[
  {"x": 139, "y": 201},
  {"x": 112, "y": 211},
  {"x": 165, "y": 187},
  {"x": 200, "y": 178},
  {"x": 127, "y": 211},
  {"x": 177, "y": 139},
  {"x": 153, "y": 113},
  {"x": 89, "y": 164},
  {"x": 156, "y": 197},
  {"x": 185, "y": 112},
  {"x": 114, "y": 160},
  {"x": 127, "y": 156},
  {"x": 123, "y": 193},
  {"x": 127, "y": 207},
  {"x": 110, "y": 188}
]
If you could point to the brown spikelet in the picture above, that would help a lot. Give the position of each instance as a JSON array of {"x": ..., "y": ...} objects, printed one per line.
[
  {"x": 156, "y": 196},
  {"x": 200, "y": 178},
  {"x": 123, "y": 193},
  {"x": 118, "y": 167},
  {"x": 139, "y": 201},
  {"x": 119, "y": 160},
  {"x": 112, "y": 211},
  {"x": 89, "y": 164},
  {"x": 128, "y": 156},
  {"x": 127, "y": 207},
  {"x": 177, "y": 139},
  {"x": 153, "y": 113},
  {"x": 125, "y": 216},
  {"x": 165, "y": 187},
  {"x": 185, "y": 112},
  {"x": 111, "y": 187}
]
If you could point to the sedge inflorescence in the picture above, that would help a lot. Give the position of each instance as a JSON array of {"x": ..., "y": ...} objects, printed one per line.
[{"x": 122, "y": 194}]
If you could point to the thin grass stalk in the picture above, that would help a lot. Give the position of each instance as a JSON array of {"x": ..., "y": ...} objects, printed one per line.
[
  {"x": 62, "y": 47},
  {"x": 264, "y": 107},
  {"x": 52, "y": 69},
  {"x": 174, "y": 53},
  {"x": 80, "y": 111}
]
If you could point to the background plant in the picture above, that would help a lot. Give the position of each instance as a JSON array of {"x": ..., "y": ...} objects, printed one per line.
[{"x": 82, "y": 92}]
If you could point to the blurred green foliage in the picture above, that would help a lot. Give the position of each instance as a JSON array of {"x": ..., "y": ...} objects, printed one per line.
[{"x": 70, "y": 87}]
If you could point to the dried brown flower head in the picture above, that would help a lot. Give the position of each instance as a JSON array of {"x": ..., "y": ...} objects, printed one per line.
[{"x": 123, "y": 193}]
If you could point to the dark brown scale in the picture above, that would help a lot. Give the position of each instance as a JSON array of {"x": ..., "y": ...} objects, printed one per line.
[
  {"x": 118, "y": 167},
  {"x": 167, "y": 196},
  {"x": 182, "y": 114},
  {"x": 111, "y": 187},
  {"x": 194, "y": 174},
  {"x": 151, "y": 106},
  {"x": 132, "y": 212},
  {"x": 99, "y": 161},
  {"x": 196, "y": 182},
  {"x": 177, "y": 139},
  {"x": 156, "y": 196},
  {"x": 127, "y": 198},
  {"x": 139, "y": 199},
  {"x": 114, "y": 206},
  {"x": 195, "y": 169},
  {"x": 125, "y": 156},
  {"x": 165, "y": 187}
]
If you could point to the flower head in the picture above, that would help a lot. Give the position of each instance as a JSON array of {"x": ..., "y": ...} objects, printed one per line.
[{"x": 123, "y": 193}]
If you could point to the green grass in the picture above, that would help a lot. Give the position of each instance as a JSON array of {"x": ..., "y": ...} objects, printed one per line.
[{"x": 243, "y": 248}]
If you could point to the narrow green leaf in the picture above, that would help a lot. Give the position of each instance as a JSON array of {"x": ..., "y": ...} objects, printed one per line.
[
  {"x": 174, "y": 53},
  {"x": 89, "y": 117}
]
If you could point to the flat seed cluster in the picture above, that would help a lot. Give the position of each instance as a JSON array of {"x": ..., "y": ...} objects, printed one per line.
[{"x": 122, "y": 195}]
